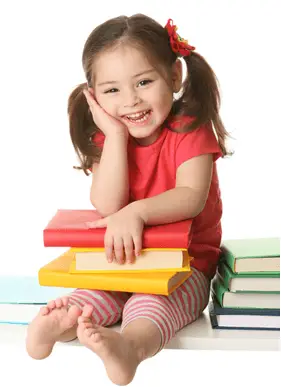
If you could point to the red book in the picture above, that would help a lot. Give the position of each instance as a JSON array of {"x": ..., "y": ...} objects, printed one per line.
[{"x": 68, "y": 228}]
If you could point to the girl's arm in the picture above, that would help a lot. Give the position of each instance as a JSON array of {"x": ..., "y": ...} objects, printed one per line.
[
  {"x": 186, "y": 200},
  {"x": 110, "y": 185}
]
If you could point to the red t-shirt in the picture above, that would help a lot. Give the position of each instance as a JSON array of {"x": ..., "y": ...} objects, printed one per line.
[{"x": 152, "y": 170}]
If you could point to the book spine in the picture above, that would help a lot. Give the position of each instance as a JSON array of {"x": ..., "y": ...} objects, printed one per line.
[
  {"x": 95, "y": 238},
  {"x": 224, "y": 275},
  {"x": 218, "y": 290},
  {"x": 70, "y": 238},
  {"x": 213, "y": 317},
  {"x": 103, "y": 282},
  {"x": 228, "y": 258}
]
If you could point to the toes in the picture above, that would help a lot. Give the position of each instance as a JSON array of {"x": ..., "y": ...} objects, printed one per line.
[
  {"x": 65, "y": 301},
  {"x": 51, "y": 304},
  {"x": 87, "y": 325},
  {"x": 89, "y": 331},
  {"x": 74, "y": 312},
  {"x": 82, "y": 320},
  {"x": 93, "y": 334},
  {"x": 87, "y": 311},
  {"x": 44, "y": 310},
  {"x": 58, "y": 303}
]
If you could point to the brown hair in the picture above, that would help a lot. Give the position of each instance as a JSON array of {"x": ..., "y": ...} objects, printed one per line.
[{"x": 200, "y": 97}]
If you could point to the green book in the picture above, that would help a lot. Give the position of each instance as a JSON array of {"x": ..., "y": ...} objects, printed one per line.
[
  {"x": 252, "y": 255},
  {"x": 244, "y": 300},
  {"x": 256, "y": 282}
]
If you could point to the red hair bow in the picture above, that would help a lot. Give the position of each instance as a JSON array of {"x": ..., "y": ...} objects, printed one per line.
[{"x": 178, "y": 44}]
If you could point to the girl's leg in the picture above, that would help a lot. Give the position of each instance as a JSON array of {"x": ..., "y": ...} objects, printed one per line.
[
  {"x": 58, "y": 320},
  {"x": 149, "y": 322},
  {"x": 144, "y": 313}
]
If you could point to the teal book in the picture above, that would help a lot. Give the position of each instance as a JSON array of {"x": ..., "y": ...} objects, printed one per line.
[
  {"x": 22, "y": 297},
  {"x": 252, "y": 255},
  {"x": 227, "y": 299},
  {"x": 248, "y": 282}
]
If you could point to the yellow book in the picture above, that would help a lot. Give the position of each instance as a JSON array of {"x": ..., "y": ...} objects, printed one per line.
[
  {"x": 56, "y": 273},
  {"x": 94, "y": 260}
]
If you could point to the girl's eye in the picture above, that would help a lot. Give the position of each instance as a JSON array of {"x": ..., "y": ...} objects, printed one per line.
[
  {"x": 110, "y": 91},
  {"x": 141, "y": 83},
  {"x": 145, "y": 82}
]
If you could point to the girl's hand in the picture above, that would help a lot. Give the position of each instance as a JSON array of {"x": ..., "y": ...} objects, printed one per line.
[
  {"x": 104, "y": 121},
  {"x": 123, "y": 236}
]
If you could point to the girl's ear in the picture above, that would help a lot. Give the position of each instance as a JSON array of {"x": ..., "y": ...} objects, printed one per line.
[{"x": 177, "y": 75}]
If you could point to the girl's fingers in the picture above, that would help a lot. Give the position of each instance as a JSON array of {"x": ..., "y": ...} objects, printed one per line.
[
  {"x": 129, "y": 249},
  {"x": 90, "y": 101},
  {"x": 90, "y": 98},
  {"x": 86, "y": 93},
  {"x": 119, "y": 250},
  {"x": 138, "y": 244},
  {"x": 108, "y": 245}
]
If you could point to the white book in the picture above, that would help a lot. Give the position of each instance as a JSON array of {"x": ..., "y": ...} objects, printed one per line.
[{"x": 22, "y": 297}]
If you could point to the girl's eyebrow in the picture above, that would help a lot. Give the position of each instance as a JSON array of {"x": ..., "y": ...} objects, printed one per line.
[{"x": 134, "y": 76}]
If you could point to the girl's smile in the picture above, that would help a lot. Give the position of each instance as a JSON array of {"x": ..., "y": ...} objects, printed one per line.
[{"x": 140, "y": 119}]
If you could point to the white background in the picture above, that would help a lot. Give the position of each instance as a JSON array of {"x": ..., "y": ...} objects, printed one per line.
[{"x": 41, "y": 49}]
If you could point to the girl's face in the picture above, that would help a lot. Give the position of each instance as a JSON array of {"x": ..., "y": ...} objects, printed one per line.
[{"x": 128, "y": 87}]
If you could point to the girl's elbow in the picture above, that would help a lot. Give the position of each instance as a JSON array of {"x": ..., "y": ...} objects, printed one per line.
[
  {"x": 199, "y": 208},
  {"x": 104, "y": 211}
]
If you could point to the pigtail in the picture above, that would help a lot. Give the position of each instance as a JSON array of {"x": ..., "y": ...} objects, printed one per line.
[
  {"x": 201, "y": 98},
  {"x": 82, "y": 128}
]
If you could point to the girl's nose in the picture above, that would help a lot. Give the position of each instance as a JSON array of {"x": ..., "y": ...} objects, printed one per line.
[{"x": 131, "y": 99}]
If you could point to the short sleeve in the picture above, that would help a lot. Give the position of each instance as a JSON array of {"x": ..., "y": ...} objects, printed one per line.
[{"x": 195, "y": 143}]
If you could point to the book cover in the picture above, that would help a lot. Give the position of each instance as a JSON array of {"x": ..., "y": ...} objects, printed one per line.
[
  {"x": 246, "y": 319},
  {"x": 150, "y": 259},
  {"x": 68, "y": 228},
  {"x": 244, "y": 299},
  {"x": 255, "y": 282},
  {"x": 252, "y": 255},
  {"x": 56, "y": 273},
  {"x": 253, "y": 247}
]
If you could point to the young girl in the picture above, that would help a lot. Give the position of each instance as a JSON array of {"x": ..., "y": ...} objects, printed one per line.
[{"x": 152, "y": 159}]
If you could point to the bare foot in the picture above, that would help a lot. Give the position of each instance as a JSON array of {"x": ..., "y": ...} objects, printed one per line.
[
  {"x": 52, "y": 321},
  {"x": 119, "y": 356}
]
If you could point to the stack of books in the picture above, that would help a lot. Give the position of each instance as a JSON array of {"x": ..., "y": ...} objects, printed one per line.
[
  {"x": 21, "y": 298},
  {"x": 164, "y": 263},
  {"x": 246, "y": 287}
]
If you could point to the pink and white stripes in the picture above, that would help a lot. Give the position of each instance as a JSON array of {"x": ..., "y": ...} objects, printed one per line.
[{"x": 170, "y": 314}]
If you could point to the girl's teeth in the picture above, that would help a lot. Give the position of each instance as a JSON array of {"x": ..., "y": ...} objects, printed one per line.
[{"x": 134, "y": 117}]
